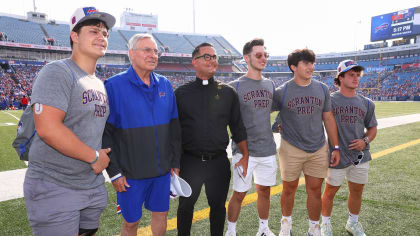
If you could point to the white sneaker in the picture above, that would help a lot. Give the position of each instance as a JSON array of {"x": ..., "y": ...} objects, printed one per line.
[
  {"x": 265, "y": 232},
  {"x": 355, "y": 228},
  {"x": 230, "y": 233},
  {"x": 314, "y": 231},
  {"x": 326, "y": 230},
  {"x": 286, "y": 228}
]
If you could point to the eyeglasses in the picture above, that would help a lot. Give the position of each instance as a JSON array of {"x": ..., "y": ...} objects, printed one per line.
[
  {"x": 258, "y": 55},
  {"x": 150, "y": 51},
  {"x": 360, "y": 156},
  {"x": 208, "y": 57}
]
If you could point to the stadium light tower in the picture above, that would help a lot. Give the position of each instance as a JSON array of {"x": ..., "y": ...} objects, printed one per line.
[
  {"x": 34, "y": 5},
  {"x": 193, "y": 16},
  {"x": 356, "y": 27}
]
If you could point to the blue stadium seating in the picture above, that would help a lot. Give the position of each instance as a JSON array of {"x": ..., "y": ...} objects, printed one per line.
[
  {"x": 21, "y": 31},
  {"x": 128, "y": 34},
  {"x": 175, "y": 43},
  {"x": 116, "y": 41},
  {"x": 59, "y": 32},
  {"x": 198, "y": 39}
]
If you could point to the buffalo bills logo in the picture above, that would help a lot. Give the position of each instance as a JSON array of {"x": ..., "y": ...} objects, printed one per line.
[{"x": 382, "y": 27}]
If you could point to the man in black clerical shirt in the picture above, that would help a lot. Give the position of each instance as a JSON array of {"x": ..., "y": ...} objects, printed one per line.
[{"x": 205, "y": 108}]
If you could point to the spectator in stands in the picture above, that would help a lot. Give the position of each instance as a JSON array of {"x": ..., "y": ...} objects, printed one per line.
[
  {"x": 304, "y": 105},
  {"x": 255, "y": 111},
  {"x": 354, "y": 146},
  {"x": 64, "y": 187},
  {"x": 206, "y": 107},
  {"x": 144, "y": 134},
  {"x": 24, "y": 102}
]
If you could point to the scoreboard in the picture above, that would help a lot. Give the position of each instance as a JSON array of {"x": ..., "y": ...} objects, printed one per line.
[
  {"x": 139, "y": 22},
  {"x": 397, "y": 24}
]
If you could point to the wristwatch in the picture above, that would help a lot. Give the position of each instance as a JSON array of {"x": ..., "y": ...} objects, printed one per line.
[
  {"x": 336, "y": 148},
  {"x": 366, "y": 140},
  {"x": 96, "y": 158}
]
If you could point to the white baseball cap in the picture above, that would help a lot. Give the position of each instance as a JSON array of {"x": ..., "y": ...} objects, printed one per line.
[
  {"x": 179, "y": 187},
  {"x": 347, "y": 65},
  {"x": 87, "y": 13}
]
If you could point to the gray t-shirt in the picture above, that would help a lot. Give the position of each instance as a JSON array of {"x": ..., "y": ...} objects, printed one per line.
[
  {"x": 301, "y": 109},
  {"x": 353, "y": 115},
  {"x": 256, "y": 99},
  {"x": 63, "y": 85}
]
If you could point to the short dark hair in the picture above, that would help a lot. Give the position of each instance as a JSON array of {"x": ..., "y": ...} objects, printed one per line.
[
  {"x": 300, "y": 55},
  {"x": 250, "y": 44},
  {"x": 90, "y": 22},
  {"x": 337, "y": 80},
  {"x": 197, "y": 49}
]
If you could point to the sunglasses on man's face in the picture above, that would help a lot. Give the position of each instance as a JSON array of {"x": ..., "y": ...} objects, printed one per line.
[{"x": 258, "y": 55}]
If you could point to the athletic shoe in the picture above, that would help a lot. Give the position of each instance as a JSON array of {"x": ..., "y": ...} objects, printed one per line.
[
  {"x": 286, "y": 228},
  {"x": 326, "y": 229},
  {"x": 355, "y": 228},
  {"x": 230, "y": 233},
  {"x": 265, "y": 232},
  {"x": 314, "y": 231}
]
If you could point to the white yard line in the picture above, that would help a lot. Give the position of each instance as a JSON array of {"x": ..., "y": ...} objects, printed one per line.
[
  {"x": 11, "y": 115},
  {"x": 11, "y": 182}
]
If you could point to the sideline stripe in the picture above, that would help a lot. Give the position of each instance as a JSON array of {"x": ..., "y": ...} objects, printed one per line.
[
  {"x": 11, "y": 115},
  {"x": 252, "y": 197}
]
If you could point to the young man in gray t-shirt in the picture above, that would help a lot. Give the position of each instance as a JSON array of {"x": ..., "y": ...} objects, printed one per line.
[
  {"x": 256, "y": 98},
  {"x": 305, "y": 107},
  {"x": 353, "y": 113},
  {"x": 64, "y": 186}
]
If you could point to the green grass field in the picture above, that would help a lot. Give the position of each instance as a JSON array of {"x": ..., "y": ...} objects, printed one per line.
[{"x": 391, "y": 204}]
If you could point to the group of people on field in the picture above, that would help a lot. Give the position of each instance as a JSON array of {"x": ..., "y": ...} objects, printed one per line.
[{"x": 142, "y": 132}]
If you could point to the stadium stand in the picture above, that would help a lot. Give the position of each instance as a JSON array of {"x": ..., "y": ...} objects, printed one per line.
[
  {"x": 116, "y": 41},
  {"x": 389, "y": 74},
  {"x": 21, "y": 31},
  {"x": 175, "y": 43},
  {"x": 59, "y": 32}
]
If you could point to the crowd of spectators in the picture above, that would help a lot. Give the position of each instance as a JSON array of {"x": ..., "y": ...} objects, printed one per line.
[
  {"x": 16, "y": 85},
  {"x": 16, "y": 82}
]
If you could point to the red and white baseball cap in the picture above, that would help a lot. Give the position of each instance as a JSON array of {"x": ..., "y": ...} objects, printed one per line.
[{"x": 87, "y": 13}]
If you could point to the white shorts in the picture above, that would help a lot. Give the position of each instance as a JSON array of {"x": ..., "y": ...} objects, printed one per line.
[
  {"x": 264, "y": 170},
  {"x": 355, "y": 174}
]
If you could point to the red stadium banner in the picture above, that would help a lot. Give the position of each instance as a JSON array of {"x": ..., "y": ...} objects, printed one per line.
[{"x": 414, "y": 65}]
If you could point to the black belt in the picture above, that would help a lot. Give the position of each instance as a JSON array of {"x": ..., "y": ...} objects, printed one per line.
[{"x": 206, "y": 156}]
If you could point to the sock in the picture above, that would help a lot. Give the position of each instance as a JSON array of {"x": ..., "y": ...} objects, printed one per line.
[
  {"x": 353, "y": 218},
  {"x": 288, "y": 218},
  {"x": 312, "y": 223},
  {"x": 231, "y": 226},
  {"x": 263, "y": 224},
  {"x": 326, "y": 219}
]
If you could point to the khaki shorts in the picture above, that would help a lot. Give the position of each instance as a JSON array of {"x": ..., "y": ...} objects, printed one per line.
[
  {"x": 294, "y": 160},
  {"x": 355, "y": 174}
]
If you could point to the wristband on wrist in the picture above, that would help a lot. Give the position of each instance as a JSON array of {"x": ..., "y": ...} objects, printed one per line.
[
  {"x": 336, "y": 148},
  {"x": 96, "y": 158}
]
